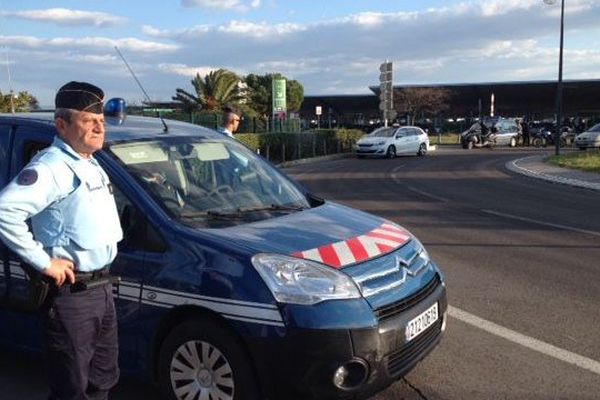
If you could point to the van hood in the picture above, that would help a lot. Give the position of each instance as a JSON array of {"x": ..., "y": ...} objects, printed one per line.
[{"x": 331, "y": 234}]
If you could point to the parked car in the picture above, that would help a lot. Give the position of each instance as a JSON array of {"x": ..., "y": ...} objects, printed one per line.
[
  {"x": 589, "y": 138},
  {"x": 505, "y": 132},
  {"x": 392, "y": 141},
  {"x": 236, "y": 282}
]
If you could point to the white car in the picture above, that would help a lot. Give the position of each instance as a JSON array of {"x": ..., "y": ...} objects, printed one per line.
[
  {"x": 589, "y": 138},
  {"x": 392, "y": 141}
]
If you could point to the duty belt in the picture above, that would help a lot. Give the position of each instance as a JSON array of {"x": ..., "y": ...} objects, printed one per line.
[{"x": 89, "y": 280}]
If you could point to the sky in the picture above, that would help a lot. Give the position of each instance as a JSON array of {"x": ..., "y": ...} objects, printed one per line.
[{"x": 329, "y": 46}]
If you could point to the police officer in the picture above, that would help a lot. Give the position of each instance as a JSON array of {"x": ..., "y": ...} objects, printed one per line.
[{"x": 75, "y": 228}]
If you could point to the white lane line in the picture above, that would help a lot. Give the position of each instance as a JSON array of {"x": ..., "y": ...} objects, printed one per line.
[
  {"x": 526, "y": 341},
  {"x": 425, "y": 194},
  {"x": 559, "y": 226}
]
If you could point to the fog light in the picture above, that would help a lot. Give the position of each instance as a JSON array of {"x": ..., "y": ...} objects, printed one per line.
[{"x": 350, "y": 375}]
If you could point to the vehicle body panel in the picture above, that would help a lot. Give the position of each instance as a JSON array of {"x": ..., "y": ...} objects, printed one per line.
[{"x": 172, "y": 272}]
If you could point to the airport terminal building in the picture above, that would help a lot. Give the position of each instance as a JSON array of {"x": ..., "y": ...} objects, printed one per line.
[{"x": 534, "y": 100}]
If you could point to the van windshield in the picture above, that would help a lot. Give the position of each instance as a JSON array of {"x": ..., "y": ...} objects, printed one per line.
[{"x": 198, "y": 180}]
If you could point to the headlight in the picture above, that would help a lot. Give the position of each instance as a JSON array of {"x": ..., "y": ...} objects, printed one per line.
[
  {"x": 380, "y": 143},
  {"x": 298, "y": 281}
]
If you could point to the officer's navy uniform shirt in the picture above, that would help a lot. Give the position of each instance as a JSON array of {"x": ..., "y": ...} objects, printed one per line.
[{"x": 72, "y": 209}]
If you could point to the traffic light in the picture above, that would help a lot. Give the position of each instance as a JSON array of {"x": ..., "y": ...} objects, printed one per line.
[{"x": 386, "y": 91}]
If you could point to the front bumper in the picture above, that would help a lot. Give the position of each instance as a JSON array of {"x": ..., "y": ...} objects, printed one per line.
[
  {"x": 302, "y": 364},
  {"x": 370, "y": 151},
  {"x": 585, "y": 143}
]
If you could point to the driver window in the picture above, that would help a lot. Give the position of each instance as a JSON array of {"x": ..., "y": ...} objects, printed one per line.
[{"x": 138, "y": 233}]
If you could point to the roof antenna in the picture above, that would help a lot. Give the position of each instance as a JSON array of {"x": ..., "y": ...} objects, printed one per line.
[
  {"x": 10, "y": 89},
  {"x": 166, "y": 128}
]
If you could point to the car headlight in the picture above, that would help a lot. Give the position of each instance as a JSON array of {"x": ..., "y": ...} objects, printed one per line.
[
  {"x": 298, "y": 281},
  {"x": 380, "y": 143}
]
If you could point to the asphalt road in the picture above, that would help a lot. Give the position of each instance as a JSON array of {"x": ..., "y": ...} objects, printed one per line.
[{"x": 522, "y": 263}]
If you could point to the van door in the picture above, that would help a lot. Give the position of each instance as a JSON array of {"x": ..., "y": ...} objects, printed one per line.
[
  {"x": 25, "y": 328},
  {"x": 5, "y": 131}
]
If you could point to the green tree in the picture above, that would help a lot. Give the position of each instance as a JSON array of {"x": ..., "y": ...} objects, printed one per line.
[
  {"x": 22, "y": 101},
  {"x": 260, "y": 92},
  {"x": 215, "y": 90}
]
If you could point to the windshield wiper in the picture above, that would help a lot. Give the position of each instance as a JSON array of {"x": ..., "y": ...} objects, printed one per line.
[
  {"x": 238, "y": 213},
  {"x": 272, "y": 207}
]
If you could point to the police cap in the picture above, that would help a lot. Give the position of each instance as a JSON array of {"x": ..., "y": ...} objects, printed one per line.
[{"x": 80, "y": 96}]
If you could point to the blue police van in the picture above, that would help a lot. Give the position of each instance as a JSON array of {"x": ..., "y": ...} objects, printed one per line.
[{"x": 236, "y": 282}]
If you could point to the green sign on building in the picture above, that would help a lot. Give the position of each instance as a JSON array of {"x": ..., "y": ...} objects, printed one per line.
[{"x": 279, "y": 100}]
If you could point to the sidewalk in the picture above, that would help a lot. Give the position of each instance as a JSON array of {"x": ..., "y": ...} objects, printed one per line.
[{"x": 535, "y": 167}]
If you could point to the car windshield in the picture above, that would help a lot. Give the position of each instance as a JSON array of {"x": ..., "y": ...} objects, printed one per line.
[
  {"x": 204, "y": 182},
  {"x": 383, "y": 132},
  {"x": 595, "y": 128}
]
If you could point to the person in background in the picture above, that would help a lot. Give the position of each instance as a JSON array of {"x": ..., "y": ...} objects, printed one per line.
[
  {"x": 525, "y": 132},
  {"x": 67, "y": 199},
  {"x": 231, "y": 121}
]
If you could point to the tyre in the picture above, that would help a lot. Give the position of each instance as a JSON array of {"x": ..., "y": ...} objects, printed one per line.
[
  {"x": 513, "y": 142},
  {"x": 537, "y": 142},
  {"x": 422, "y": 150},
  {"x": 470, "y": 144},
  {"x": 391, "y": 152},
  {"x": 200, "y": 359}
]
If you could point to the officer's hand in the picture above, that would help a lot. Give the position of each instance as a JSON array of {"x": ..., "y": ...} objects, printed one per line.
[{"x": 61, "y": 270}]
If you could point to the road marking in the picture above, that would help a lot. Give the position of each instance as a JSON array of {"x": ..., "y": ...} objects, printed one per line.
[
  {"x": 526, "y": 341},
  {"x": 559, "y": 226},
  {"x": 425, "y": 194}
]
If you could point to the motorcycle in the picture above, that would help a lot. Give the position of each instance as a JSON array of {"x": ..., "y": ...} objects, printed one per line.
[
  {"x": 545, "y": 137},
  {"x": 476, "y": 137}
]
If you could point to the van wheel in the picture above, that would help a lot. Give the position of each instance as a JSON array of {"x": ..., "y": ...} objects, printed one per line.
[
  {"x": 513, "y": 142},
  {"x": 202, "y": 360},
  {"x": 391, "y": 152},
  {"x": 422, "y": 149}
]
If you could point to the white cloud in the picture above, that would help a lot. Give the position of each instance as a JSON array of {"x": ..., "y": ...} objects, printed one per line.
[
  {"x": 185, "y": 70},
  {"x": 88, "y": 43},
  {"x": 67, "y": 17},
  {"x": 193, "y": 32},
  {"x": 262, "y": 30},
  {"x": 223, "y": 5}
]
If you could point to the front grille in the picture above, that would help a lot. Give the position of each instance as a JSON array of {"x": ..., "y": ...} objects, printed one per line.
[
  {"x": 393, "y": 309},
  {"x": 399, "y": 359}
]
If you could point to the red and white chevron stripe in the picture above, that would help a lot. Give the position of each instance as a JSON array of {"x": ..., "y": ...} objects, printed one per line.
[{"x": 384, "y": 239}]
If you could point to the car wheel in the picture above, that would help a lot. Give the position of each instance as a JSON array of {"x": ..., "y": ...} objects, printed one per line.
[
  {"x": 469, "y": 144},
  {"x": 200, "y": 360},
  {"x": 513, "y": 142},
  {"x": 391, "y": 152},
  {"x": 422, "y": 149},
  {"x": 537, "y": 142}
]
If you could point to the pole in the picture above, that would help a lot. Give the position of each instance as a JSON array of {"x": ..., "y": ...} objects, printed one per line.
[{"x": 559, "y": 86}]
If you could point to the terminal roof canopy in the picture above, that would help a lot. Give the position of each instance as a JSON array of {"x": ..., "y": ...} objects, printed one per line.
[{"x": 534, "y": 98}]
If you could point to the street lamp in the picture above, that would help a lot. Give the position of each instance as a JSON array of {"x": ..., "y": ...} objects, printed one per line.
[{"x": 559, "y": 86}]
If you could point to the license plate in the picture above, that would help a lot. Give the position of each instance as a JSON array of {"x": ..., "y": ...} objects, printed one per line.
[{"x": 417, "y": 325}]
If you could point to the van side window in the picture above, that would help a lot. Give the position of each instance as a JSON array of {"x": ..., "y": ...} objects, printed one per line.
[
  {"x": 138, "y": 233},
  {"x": 31, "y": 148}
]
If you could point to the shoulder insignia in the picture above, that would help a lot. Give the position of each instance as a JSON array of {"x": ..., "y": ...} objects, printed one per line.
[{"x": 27, "y": 177}]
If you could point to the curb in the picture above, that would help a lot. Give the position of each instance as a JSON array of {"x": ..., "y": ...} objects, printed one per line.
[
  {"x": 515, "y": 167},
  {"x": 314, "y": 159}
]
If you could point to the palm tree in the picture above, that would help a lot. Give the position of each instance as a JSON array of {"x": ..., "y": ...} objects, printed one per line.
[{"x": 213, "y": 91}]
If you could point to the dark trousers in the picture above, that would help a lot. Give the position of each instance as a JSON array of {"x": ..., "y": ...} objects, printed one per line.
[{"x": 82, "y": 344}]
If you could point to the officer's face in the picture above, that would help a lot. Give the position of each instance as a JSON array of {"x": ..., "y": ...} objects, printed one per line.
[{"x": 85, "y": 132}]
